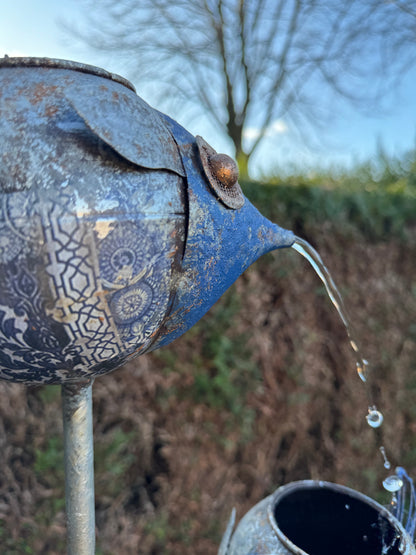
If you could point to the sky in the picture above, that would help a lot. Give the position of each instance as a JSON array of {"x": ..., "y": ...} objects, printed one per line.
[{"x": 33, "y": 28}]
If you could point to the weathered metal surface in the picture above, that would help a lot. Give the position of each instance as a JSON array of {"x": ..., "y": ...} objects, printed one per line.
[
  {"x": 88, "y": 240},
  {"x": 310, "y": 517},
  {"x": 126, "y": 123},
  {"x": 112, "y": 241},
  {"x": 226, "y": 539},
  {"x": 52, "y": 63},
  {"x": 79, "y": 468},
  {"x": 221, "y": 244}
]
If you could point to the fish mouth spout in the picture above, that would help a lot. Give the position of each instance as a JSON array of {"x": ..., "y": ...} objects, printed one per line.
[
  {"x": 222, "y": 241},
  {"x": 220, "y": 245},
  {"x": 275, "y": 237}
]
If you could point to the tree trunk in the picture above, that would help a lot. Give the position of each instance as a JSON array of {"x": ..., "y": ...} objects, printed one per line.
[
  {"x": 242, "y": 161},
  {"x": 235, "y": 132}
]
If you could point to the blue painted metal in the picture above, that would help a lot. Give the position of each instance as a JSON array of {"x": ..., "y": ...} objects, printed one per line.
[
  {"x": 113, "y": 240},
  {"x": 310, "y": 516},
  {"x": 221, "y": 244}
]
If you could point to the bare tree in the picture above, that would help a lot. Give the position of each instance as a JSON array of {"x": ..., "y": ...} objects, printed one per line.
[{"x": 250, "y": 63}]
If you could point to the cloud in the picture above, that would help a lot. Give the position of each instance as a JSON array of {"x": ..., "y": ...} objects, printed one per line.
[
  {"x": 251, "y": 133},
  {"x": 276, "y": 128}
]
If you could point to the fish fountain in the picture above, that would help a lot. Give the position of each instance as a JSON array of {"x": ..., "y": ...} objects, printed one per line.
[{"x": 118, "y": 231}]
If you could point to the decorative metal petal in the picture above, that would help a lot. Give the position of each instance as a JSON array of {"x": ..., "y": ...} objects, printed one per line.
[{"x": 128, "y": 124}]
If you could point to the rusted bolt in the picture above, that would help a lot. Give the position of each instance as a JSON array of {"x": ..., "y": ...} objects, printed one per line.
[
  {"x": 224, "y": 169},
  {"x": 222, "y": 174}
]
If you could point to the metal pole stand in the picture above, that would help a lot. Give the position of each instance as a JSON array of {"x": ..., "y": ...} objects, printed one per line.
[{"x": 79, "y": 468}]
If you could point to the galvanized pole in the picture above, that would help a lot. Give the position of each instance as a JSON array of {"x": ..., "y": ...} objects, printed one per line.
[{"x": 79, "y": 468}]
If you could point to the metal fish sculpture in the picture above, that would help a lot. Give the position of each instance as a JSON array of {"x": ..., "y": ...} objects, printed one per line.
[{"x": 118, "y": 228}]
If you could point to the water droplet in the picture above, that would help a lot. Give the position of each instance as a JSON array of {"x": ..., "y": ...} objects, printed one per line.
[
  {"x": 362, "y": 369},
  {"x": 360, "y": 372},
  {"x": 354, "y": 346},
  {"x": 393, "y": 503},
  {"x": 392, "y": 483},
  {"x": 387, "y": 464},
  {"x": 374, "y": 417}
]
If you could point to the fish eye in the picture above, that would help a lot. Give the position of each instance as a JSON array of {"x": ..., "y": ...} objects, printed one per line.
[{"x": 222, "y": 174}]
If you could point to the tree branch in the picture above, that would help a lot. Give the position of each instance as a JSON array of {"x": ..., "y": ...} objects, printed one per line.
[{"x": 246, "y": 62}]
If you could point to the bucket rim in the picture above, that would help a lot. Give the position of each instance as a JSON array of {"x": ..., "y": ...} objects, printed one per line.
[
  {"x": 56, "y": 63},
  {"x": 406, "y": 544}
]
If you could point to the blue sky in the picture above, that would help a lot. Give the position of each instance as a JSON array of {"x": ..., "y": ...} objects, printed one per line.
[{"x": 31, "y": 28}]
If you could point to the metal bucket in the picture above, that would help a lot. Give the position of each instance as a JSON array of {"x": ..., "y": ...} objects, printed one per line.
[{"x": 318, "y": 518}]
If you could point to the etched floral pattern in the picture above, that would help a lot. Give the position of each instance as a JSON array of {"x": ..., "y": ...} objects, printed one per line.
[{"x": 88, "y": 237}]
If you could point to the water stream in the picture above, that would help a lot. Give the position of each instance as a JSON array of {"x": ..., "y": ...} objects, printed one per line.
[
  {"x": 400, "y": 485},
  {"x": 313, "y": 257}
]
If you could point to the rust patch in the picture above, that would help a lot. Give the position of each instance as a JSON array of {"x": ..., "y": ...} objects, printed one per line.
[
  {"x": 51, "y": 63},
  {"x": 134, "y": 354},
  {"x": 40, "y": 92},
  {"x": 209, "y": 264},
  {"x": 222, "y": 174},
  {"x": 173, "y": 252},
  {"x": 50, "y": 111}
]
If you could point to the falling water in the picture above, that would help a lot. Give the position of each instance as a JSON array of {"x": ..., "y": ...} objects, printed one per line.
[
  {"x": 387, "y": 464},
  {"x": 405, "y": 501},
  {"x": 306, "y": 250},
  {"x": 403, "y": 504}
]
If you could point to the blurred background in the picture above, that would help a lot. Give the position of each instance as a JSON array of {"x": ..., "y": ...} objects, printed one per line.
[{"x": 316, "y": 100}]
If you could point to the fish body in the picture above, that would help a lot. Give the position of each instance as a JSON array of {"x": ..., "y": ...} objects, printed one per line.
[{"x": 115, "y": 234}]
